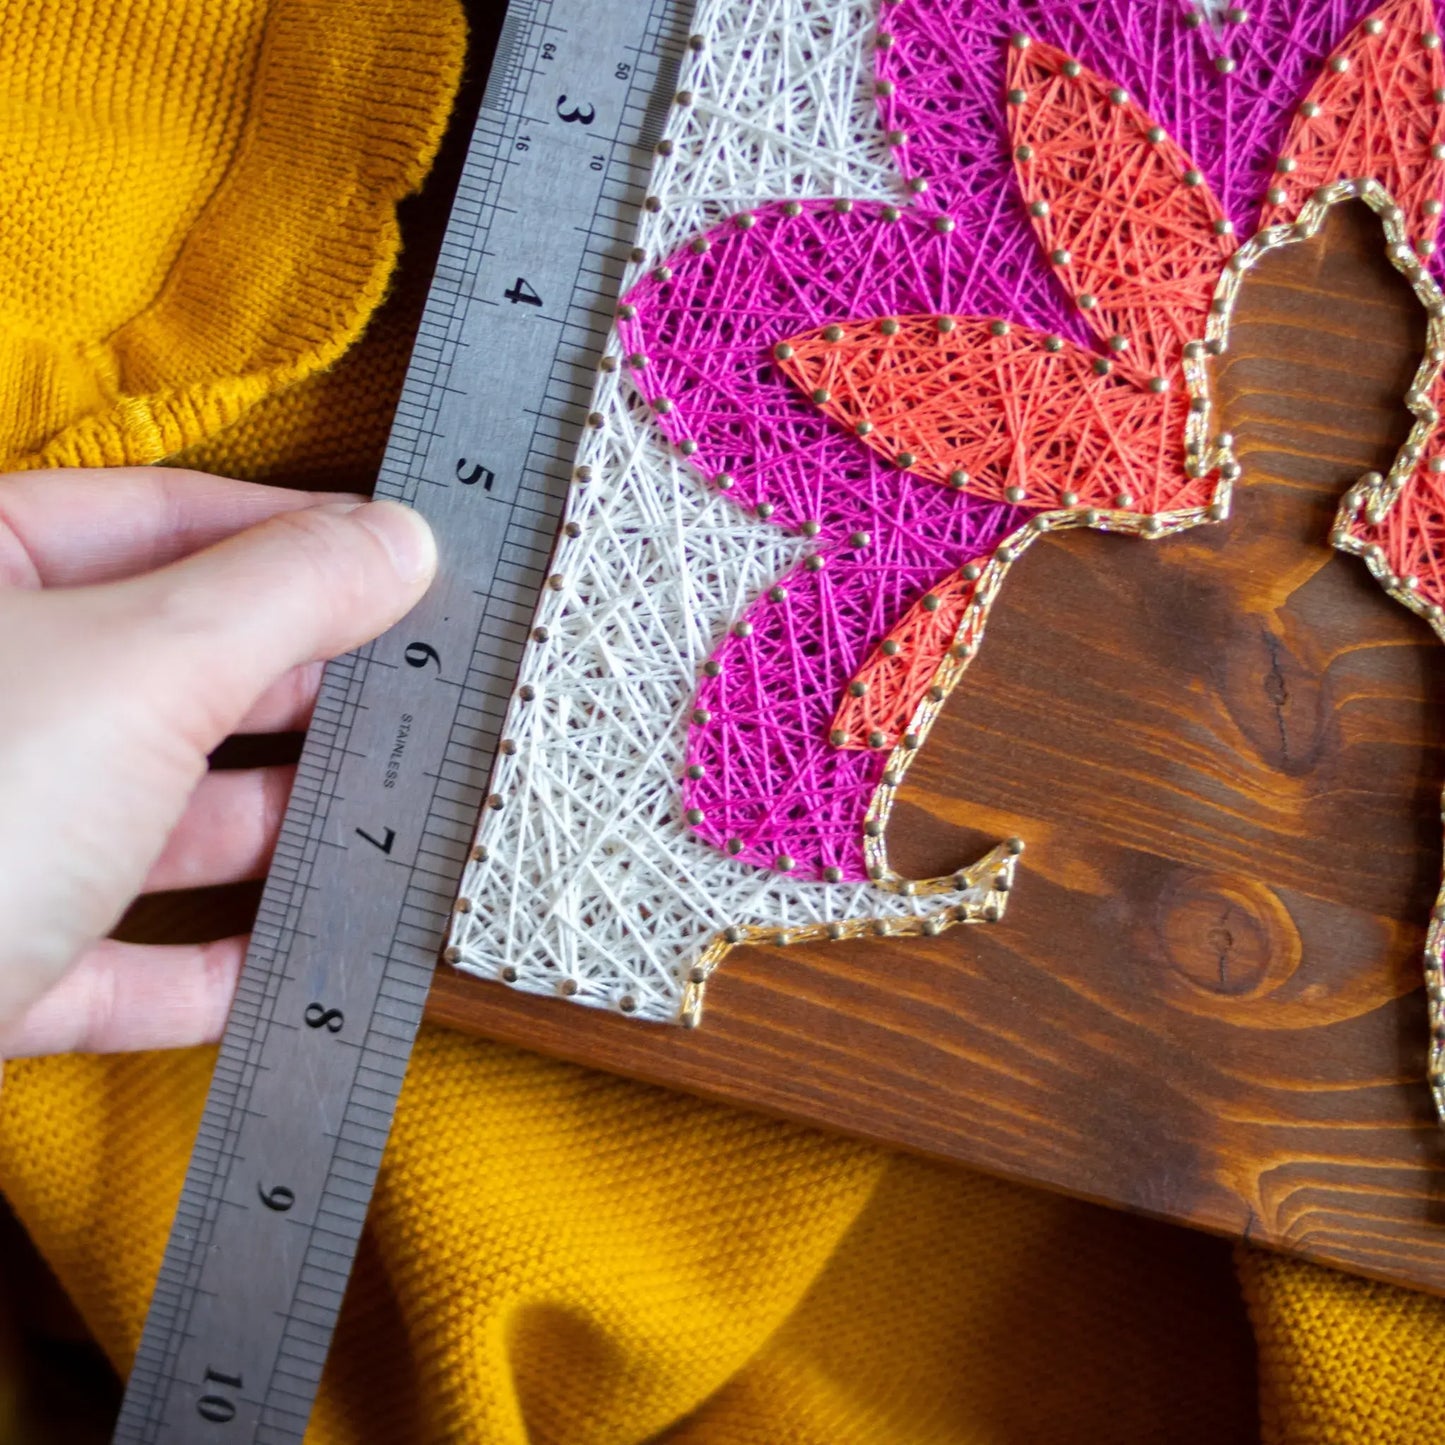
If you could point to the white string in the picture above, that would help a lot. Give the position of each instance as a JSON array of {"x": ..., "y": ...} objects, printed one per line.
[
  {"x": 590, "y": 884},
  {"x": 1214, "y": 11}
]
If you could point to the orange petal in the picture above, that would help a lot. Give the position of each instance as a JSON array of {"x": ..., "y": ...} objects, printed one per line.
[
  {"x": 880, "y": 702},
  {"x": 1126, "y": 220},
  {"x": 1001, "y": 411},
  {"x": 1373, "y": 113}
]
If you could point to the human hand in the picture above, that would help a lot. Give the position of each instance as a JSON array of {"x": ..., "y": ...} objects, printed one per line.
[{"x": 145, "y": 615}]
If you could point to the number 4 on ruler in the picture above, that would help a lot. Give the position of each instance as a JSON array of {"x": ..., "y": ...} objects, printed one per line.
[{"x": 522, "y": 292}]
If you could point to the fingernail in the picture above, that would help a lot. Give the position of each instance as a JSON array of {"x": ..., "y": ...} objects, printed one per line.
[{"x": 405, "y": 535}]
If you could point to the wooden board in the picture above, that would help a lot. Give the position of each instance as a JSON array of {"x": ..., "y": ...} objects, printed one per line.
[{"x": 1225, "y": 753}]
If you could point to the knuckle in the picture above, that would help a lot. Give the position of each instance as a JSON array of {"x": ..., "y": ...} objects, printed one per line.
[
  {"x": 275, "y": 794},
  {"x": 220, "y": 967},
  {"x": 97, "y": 1023},
  {"x": 320, "y": 538},
  {"x": 334, "y": 556}
]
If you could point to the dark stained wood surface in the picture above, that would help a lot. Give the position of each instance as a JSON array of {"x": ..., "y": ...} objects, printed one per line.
[{"x": 1225, "y": 751}]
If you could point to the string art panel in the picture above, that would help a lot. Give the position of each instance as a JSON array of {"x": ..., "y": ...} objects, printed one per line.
[{"x": 921, "y": 284}]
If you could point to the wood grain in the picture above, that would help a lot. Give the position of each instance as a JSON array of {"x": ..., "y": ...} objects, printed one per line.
[{"x": 1225, "y": 751}]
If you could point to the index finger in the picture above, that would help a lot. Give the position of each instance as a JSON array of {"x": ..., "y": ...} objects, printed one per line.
[{"x": 96, "y": 524}]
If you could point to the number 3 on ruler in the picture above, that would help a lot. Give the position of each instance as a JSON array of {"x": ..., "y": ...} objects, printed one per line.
[{"x": 578, "y": 115}]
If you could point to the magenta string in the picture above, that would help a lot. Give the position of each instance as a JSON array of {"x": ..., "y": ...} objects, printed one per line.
[{"x": 772, "y": 790}]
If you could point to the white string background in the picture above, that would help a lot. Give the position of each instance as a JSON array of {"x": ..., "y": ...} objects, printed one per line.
[{"x": 587, "y": 882}]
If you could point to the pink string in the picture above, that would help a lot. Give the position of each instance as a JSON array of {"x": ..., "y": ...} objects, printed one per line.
[{"x": 764, "y": 781}]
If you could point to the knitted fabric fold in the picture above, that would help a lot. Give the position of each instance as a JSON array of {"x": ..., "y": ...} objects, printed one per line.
[
  {"x": 554, "y": 1257},
  {"x": 198, "y": 206}
]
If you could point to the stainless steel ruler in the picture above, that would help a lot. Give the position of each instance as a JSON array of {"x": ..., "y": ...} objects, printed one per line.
[{"x": 357, "y": 904}]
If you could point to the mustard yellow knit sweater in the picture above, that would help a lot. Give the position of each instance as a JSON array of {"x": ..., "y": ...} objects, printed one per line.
[{"x": 198, "y": 202}]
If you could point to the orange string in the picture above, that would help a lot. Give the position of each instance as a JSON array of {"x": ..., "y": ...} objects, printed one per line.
[
  {"x": 1126, "y": 220},
  {"x": 1373, "y": 112},
  {"x": 877, "y": 705},
  {"x": 1000, "y": 411}
]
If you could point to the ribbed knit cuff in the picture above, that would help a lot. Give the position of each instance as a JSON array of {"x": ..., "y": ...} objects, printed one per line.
[{"x": 292, "y": 251}]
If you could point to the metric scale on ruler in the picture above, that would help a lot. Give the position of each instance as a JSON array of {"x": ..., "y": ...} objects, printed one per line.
[{"x": 397, "y": 757}]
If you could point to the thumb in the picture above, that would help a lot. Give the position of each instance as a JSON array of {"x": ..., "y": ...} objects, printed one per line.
[{"x": 219, "y": 627}]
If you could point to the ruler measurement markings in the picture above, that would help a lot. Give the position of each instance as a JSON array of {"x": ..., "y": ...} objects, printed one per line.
[
  {"x": 462, "y": 747},
  {"x": 461, "y": 771},
  {"x": 463, "y": 739},
  {"x": 538, "y": 509},
  {"x": 536, "y": 505},
  {"x": 495, "y": 667},
  {"x": 429, "y": 856}
]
